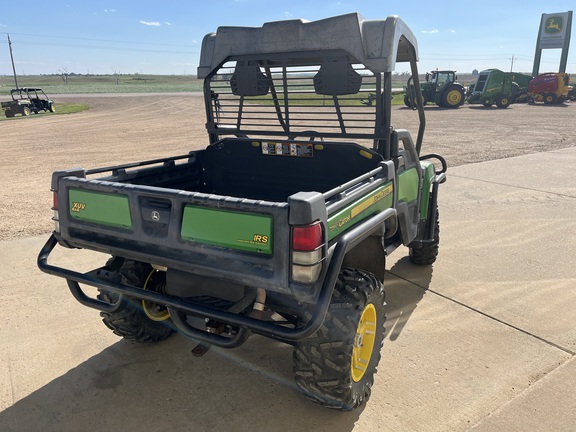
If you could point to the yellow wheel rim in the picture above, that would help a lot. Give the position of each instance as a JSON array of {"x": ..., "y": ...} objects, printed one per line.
[
  {"x": 454, "y": 97},
  {"x": 364, "y": 342},
  {"x": 152, "y": 310}
]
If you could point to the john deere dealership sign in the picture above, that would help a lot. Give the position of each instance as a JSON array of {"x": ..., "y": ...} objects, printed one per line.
[{"x": 553, "y": 30}]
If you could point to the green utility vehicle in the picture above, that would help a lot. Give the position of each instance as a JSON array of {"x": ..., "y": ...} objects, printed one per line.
[
  {"x": 501, "y": 88},
  {"x": 27, "y": 100},
  {"x": 441, "y": 88},
  {"x": 282, "y": 224}
]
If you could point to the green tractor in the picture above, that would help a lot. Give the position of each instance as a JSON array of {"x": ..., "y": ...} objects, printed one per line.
[
  {"x": 501, "y": 88},
  {"x": 441, "y": 88}
]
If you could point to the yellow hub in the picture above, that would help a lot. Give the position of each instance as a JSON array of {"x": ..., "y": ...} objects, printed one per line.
[
  {"x": 454, "y": 97},
  {"x": 152, "y": 310},
  {"x": 364, "y": 342}
]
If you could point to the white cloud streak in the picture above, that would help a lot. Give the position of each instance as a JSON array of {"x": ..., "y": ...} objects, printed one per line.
[
  {"x": 150, "y": 23},
  {"x": 430, "y": 31}
]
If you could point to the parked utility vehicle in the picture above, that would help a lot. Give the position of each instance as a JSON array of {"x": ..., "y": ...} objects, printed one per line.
[
  {"x": 282, "y": 225},
  {"x": 27, "y": 100}
]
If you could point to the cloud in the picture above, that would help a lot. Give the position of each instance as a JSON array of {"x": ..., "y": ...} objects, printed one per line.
[
  {"x": 452, "y": 31},
  {"x": 287, "y": 14},
  {"x": 109, "y": 10},
  {"x": 430, "y": 31},
  {"x": 150, "y": 23},
  {"x": 167, "y": 23}
]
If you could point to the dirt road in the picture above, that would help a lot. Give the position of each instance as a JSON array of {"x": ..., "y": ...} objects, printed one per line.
[{"x": 129, "y": 128}]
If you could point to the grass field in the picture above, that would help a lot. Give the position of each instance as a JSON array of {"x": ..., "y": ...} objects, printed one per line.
[
  {"x": 53, "y": 84},
  {"x": 137, "y": 83}
]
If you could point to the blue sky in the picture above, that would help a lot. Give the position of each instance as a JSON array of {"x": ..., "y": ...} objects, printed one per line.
[{"x": 126, "y": 36}]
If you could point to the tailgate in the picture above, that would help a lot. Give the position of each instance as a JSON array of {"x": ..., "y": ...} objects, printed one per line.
[{"x": 241, "y": 240}]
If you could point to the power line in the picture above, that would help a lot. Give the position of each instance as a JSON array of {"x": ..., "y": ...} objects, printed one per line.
[
  {"x": 102, "y": 40},
  {"x": 110, "y": 48}
]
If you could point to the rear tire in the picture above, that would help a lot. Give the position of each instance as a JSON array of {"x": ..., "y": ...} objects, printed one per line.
[
  {"x": 131, "y": 322},
  {"x": 427, "y": 254},
  {"x": 453, "y": 97},
  {"x": 25, "y": 111},
  {"x": 503, "y": 101},
  {"x": 550, "y": 98},
  {"x": 335, "y": 367},
  {"x": 9, "y": 113}
]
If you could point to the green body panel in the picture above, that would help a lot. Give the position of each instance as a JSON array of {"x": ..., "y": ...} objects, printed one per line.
[
  {"x": 429, "y": 174},
  {"x": 408, "y": 186},
  {"x": 497, "y": 83},
  {"x": 377, "y": 201},
  {"x": 235, "y": 230},
  {"x": 101, "y": 208}
]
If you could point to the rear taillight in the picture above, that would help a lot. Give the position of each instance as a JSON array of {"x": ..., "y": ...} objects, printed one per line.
[
  {"x": 307, "y": 252},
  {"x": 55, "y": 218}
]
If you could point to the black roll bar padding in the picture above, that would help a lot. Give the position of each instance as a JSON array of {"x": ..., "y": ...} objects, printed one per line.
[
  {"x": 442, "y": 161},
  {"x": 348, "y": 240}
]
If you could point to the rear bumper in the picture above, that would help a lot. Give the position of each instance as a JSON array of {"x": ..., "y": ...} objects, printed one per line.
[{"x": 179, "y": 307}]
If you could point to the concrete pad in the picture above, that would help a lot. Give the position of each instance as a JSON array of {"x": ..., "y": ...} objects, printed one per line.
[
  {"x": 444, "y": 367},
  {"x": 507, "y": 250},
  {"x": 552, "y": 171},
  {"x": 547, "y": 406}
]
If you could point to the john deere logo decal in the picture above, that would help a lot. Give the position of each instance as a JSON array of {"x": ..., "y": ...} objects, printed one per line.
[{"x": 554, "y": 24}]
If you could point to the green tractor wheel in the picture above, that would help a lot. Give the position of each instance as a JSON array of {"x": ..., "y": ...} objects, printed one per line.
[
  {"x": 453, "y": 97},
  {"x": 26, "y": 111},
  {"x": 335, "y": 367}
]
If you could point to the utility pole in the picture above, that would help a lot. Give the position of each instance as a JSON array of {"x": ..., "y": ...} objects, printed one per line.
[
  {"x": 12, "y": 57},
  {"x": 512, "y": 60}
]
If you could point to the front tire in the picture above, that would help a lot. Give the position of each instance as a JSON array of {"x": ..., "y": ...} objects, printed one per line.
[
  {"x": 428, "y": 253},
  {"x": 335, "y": 367},
  {"x": 132, "y": 322}
]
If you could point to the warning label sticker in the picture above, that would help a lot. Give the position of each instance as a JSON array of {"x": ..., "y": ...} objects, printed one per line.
[{"x": 287, "y": 149}]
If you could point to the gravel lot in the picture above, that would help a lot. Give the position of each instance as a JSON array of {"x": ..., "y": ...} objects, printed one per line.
[{"x": 128, "y": 128}]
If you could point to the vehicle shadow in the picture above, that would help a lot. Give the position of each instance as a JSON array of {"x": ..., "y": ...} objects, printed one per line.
[
  {"x": 406, "y": 285},
  {"x": 160, "y": 387}
]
